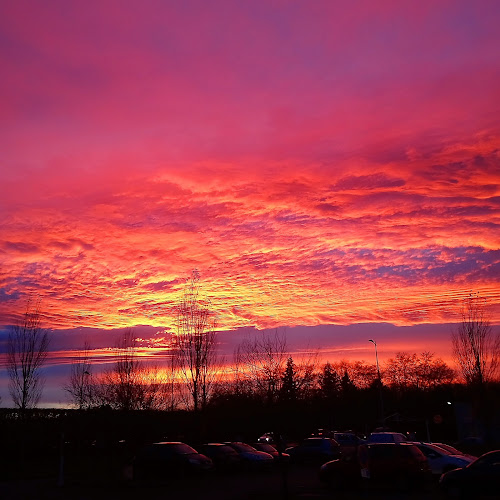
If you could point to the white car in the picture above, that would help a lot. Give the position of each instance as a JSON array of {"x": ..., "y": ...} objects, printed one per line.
[{"x": 440, "y": 460}]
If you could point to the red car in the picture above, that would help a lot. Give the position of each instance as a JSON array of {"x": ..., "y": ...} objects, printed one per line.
[{"x": 400, "y": 465}]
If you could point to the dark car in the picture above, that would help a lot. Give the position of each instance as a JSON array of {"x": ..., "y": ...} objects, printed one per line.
[
  {"x": 224, "y": 457},
  {"x": 481, "y": 477},
  {"x": 251, "y": 457},
  {"x": 159, "y": 460},
  {"x": 269, "y": 448},
  {"x": 318, "y": 449},
  {"x": 394, "y": 465}
]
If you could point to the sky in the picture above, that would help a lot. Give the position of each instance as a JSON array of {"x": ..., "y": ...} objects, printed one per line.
[{"x": 331, "y": 169}]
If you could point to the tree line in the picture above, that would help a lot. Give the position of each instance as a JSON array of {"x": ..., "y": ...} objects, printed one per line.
[{"x": 195, "y": 377}]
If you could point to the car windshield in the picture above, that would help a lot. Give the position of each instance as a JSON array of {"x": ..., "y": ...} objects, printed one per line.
[
  {"x": 450, "y": 449},
  {"x": 428, "y": 449},
  {"x": 345, "y": 438},
  {"x": 310, "y": 443},
  {"x": 267, "y": 447}
]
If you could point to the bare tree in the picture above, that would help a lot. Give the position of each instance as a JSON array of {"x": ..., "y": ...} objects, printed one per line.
[
  {"x": 361, "y": 373},
  {"x": 81, "y": 382},
  {"x": 121, "y": 387},
  {"x": 401, "y": 371},
  {"x": 413, "y": 371},
  {"x": 476, "y": 347},
  {"x": 261, "y": 362},
  {"x": 158, "y": 389},
  {"x": 27, "y": 348},
  {"x": 131, "y": 384},
  {"x": 195, "y": 342},
  {"x": 432, "y": 372}
]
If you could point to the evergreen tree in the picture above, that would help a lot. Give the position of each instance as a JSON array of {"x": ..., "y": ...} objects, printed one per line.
[
  {"x": 329, "y": 382},
  {"x": 289, "y": 386}
]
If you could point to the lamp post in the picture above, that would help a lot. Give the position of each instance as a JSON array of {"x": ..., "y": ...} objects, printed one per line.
[
  {"x": 381, "y": 402},
  {"x": 376, "y": 358}
]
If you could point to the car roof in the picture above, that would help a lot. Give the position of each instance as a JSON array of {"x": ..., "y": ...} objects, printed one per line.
[
  {"x": 169, "y": 442},
  {"x": 406, "y": 443}
]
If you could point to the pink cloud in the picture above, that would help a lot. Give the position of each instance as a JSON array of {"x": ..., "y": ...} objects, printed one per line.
[{"x": 318, "y": 163}]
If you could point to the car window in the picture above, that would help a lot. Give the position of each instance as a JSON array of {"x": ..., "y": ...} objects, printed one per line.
[
  {"x": 414, "y": 451},
  {"x": 437, "y": 451},
  {"x": 310, "y": 443},
  {"x": 429, "y": 451},
  {"x": 387, "y": 438},
  {"x": 382, "y": 438},
  {"x": 448, "y": 448},
  {"x": 345, "y": 438},
  {"x": 382, "y": 452}
]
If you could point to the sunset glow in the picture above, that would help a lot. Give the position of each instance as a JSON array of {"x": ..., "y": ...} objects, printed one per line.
[{"x": 320, "y": 163}]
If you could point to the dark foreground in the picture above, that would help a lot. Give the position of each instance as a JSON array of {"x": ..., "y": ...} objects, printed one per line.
[{"x": 301, "y": 482}]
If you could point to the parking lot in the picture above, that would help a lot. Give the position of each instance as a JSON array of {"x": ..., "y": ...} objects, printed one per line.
[{"x": 300, "y": 482}]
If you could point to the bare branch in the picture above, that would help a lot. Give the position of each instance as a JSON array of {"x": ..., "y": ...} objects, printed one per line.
[{"x": 476, "y": 347}]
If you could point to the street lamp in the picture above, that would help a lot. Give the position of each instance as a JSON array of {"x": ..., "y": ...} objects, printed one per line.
[
  {"x": 381, "y": 401},
  {"x": 376, "y": 357}
]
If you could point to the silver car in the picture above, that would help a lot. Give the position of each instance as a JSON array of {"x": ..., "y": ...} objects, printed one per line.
[{"x": 440, "y": 460}]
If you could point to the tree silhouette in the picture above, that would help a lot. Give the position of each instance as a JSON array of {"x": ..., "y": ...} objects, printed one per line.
[
  {"x": 81, "y": 384},
  {"x": 329, "y": 382},
  {"x": 130, "y": 385},
  {"x": 195, "y": 343},
  {"x": 26, "y": 353},
  {"x": 476, "y": 347},
  {"x": 261, "y": 361},
  {"x": 289, "y": 384}
]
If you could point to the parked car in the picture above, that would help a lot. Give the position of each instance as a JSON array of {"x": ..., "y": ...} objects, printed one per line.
[
  {"x": 318, "y": 449},
  {"x": 386, "y": 437},
  {"x": 267, "y": 437},
  {"x": 480, "y": 477},
  {"x": 440, "y": 460},
  {"x": 269, "y": 448},
  {"x": 272, "y": 438},
  {"x": 224, "y": 457},
  {"x": 250, "y": 456},
  {"x": 158, "y": 460},
  {"x": 400, "y": 465}
]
